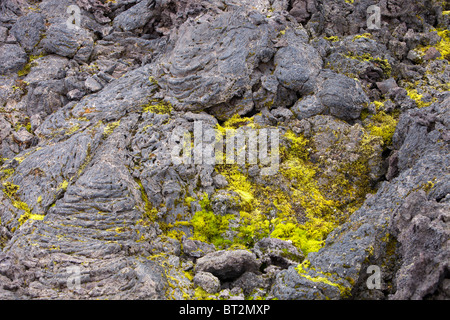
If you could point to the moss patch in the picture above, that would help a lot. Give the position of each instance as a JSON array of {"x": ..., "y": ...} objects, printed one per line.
[
  {"x": 158, "y": 106},
  {"x": 10, "y": 190}
]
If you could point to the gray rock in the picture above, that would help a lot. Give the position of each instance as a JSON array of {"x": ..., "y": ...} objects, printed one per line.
[
  {"x": 308, "y": 107},
  {"x": 3, "y": 33},
  {"x": 282, "y": 114},
  {"x": 28, "y": 30},
  {"x": 272, "y": 251},
  {"x": 414, "y": 56},
  {"x": 45, "y": 97},
  {"x": 71, "y": 43},
  {"x": 298, "y": 66},
  {"x": 23, "y": 137},
  {"x": 249, "y": 282},
  {"x": 387, "y": 85},
  {"x": 135, "y": 17},
  {"x": 228, "y": 265},
  {"x": 209, "y": 52},
  {"x": 225, "y": 202},
  {"x": 101, "y": 193},
  {"x": 196, "y": 248},
  {"x": 50, "y": 67},
  {"x": 220, "y": 181},
  {"x": 93, "y": 85},
  {"x": 12, "y": 58},
  {"x": 421, "y": 227},
  {"x": 5, "y": 128},
  {"x": 207, "y": 282},
  {"x": 343, "y": 96},
  {"x": 431, "y": 54},
  {"x": 75, "y": 94}
]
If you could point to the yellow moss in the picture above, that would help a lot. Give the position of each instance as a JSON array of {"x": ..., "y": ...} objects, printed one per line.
[
  {"x": 383, "y": 125},
  {"x": 158, "y": 106},
  {"x": 414, "y": 95},
  {"x": 176, "y": 234},
  {"x": 258, "y": 201},
  {"x": 73, "y": 129},
  {"x": 332, "y": 38},
  {"x": 188, "y": 200},
  {"x": 237, "y": 121},
  {"x": 383, "y": 64},
  {"x": 63, "y": 185},
  {"x": 153, "y": 80},
  {"x": 26, "y": 69},
  {"x": 443, "y": 46},
  {"x": 110, "y": 127},
  {"x": 10, "y": 190},
  {"x": 364, "y": 35},
  {"x": 209, "y": 227},
  {"x": 324, "y": 278},
  {"x": 149, "y": 211},
  {"x": 201, "y": 294},
  {"x": 6, "y": 173}
]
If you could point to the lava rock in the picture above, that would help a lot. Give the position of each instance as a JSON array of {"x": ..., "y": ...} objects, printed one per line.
[
  {"x": 196, "y": 248},
  {"x": 228, "y": 265},
  {"x": 344, "y": 96},
  {"x": 12, "y": 58},
  {"x": 207, "y": 282},
  {"x": 28, "y": 30},
  {"x": 272, "y": 251}
]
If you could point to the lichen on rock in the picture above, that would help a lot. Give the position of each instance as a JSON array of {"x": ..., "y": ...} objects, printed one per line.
[{"x": 93, "y": 205}]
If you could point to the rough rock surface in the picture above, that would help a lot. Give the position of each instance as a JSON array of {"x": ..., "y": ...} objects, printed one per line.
[
  {"x": 93, "y": 206},
  {"x": 227, "y": 265}
]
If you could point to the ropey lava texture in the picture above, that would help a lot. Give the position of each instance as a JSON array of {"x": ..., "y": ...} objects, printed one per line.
[{"x": 87, "y": 123}]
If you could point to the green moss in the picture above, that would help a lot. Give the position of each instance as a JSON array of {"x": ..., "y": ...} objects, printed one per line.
[
  {"x": 110, "y": 127},
  {"x": 27, "y": 68},
  {"x": 383, "y": 125},
  {"x": 10, "y": 190},
  {"x": 150, "y": 212},
  {"x": 201, "y": 294},
  {"x": 158, "y": 106},
  {"x": 383, "y": 64},
  {"x": 364, "y": 35},
  {"x": 304, "y": 269},
  {"x": 332, "y": 38},
  {"x": 209, "y": 227},
  {"x": 63, "y": 185},
  {"x": 414, "y": 95},
  {"x": 298, "y": 235},
  {"x": 260, "y": 201},
  {"x": 73, "y": 129}
]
